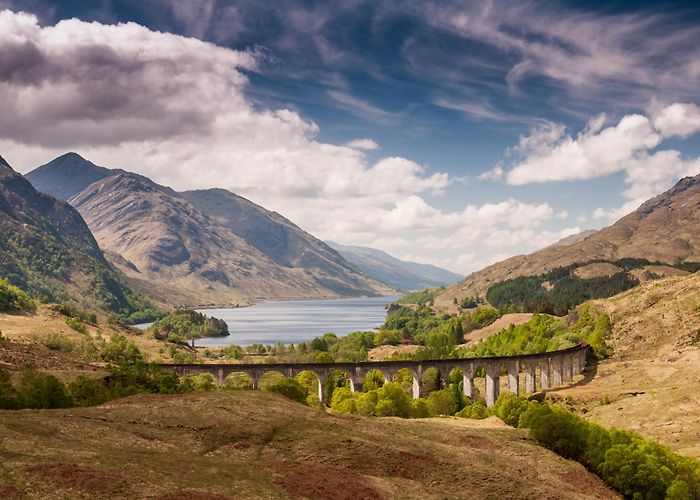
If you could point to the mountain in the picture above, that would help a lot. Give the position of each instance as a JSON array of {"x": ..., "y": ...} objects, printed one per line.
[
  {"x": 200, "y": 247},
  {"x": 399, "y": 274},
  {"x": 47, "y": 249},
  {"x": 665, "y": 229}
]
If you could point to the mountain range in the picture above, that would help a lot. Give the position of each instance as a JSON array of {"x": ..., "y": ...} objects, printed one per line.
[
  {"x": 400, "y": 274},
  {"x": 198, "y": 247},
  {"x": 47, "y": 249},
  {"x": 665, "y": 228}
]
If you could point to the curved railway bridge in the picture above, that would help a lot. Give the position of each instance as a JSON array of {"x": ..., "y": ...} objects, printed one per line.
[{"x": 541, "y": 371}]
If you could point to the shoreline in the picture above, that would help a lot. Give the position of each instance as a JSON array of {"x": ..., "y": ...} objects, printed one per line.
[{"x": 251, "y": 301}]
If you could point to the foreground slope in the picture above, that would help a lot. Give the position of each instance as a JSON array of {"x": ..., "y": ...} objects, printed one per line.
[
  {"x": 665, "y": 228},
  {"x": 261, "y": 445},
  {"x": 653, "y": 379},
  {"x": 199, "y": 247},
  {"x": 47, "y": 249},
  {"x": 400, "y": 274}
]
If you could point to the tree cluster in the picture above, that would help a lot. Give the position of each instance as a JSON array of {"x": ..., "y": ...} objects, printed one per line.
[{"x": 633, "y": 466}]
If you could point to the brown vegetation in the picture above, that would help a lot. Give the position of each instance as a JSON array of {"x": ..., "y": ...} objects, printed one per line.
[{"x": 233, "y": 444}]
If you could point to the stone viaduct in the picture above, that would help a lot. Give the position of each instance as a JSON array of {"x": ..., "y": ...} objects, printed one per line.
[{"x": 542, "y": 371}]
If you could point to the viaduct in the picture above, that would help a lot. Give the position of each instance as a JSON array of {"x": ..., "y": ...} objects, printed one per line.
[{"x": 543, "y": 371}]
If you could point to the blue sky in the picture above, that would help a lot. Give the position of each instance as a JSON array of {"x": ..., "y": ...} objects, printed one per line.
[{"x": 481, "y": 124}]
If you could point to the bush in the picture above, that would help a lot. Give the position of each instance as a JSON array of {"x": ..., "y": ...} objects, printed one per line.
[
  {"x": 632, "y": 465},
  {"x": 59, "y": 342},
  {"x": 121, "y": 351},
  {"x": 442, "y": 402},
  {"x": 88, "y": 392},
  {"x": 41, "y": 390},
  {"x": 76, "y": 325},
  {"x": 14, "y": 300},
  {"x": 10, "y": 398},
  {"x": 290, "y": 388},
  {"x": 420, "y": 408}
]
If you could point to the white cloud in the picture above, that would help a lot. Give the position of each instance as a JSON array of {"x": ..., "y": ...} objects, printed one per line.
[
  {"x": 175, "y": 109},
  {"x": 550, "y": 154},
  {"x": 494, "y": 174},
  {"x": 366, "y": 144}
]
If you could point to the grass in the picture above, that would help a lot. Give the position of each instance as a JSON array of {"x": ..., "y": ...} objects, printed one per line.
[{"x": 258, "y": 444}]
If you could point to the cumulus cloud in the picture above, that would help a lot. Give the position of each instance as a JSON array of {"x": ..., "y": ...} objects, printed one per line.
[
  {"x": 366, "y": 144},
  {"x": 630, "y": 146},
  {"x": 175, "y": 109}
]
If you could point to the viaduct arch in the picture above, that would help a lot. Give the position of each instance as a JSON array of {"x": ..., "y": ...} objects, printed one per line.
[{"x": 554, "y": 369}]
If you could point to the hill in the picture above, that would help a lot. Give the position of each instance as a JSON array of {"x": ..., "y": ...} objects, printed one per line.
[
  {"x": 653, "y": 378},
  {"x": 663, "y": 229},
  {"x": 400, "y": 274},
  {"x": 47, "y": 249},
  {"x": 199, "y": 247},
  {"x": 261, "y": 445}
]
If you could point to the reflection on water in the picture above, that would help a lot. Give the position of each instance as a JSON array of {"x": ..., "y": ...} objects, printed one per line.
[{"x": 295, "y": 321}]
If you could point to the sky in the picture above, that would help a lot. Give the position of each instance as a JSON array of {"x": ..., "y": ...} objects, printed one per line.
[{"x": 451, "y": 133}]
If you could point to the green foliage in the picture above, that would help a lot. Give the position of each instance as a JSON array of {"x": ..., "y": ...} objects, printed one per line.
[
  {"x": 14, "y": 300},
  {"x": 476, "y": 410},
  {"x": 560, "y": 290},
  {"x": 442, "y": 402},
  {"x": 88, "y": 392},
  {"x": 10, "y": 397},
  {"x": 544, "y": 333},
  {"x": 59, "y": 342},
  {"x": 187, "y": 324},
  {"x": 393, "y": 401},
  {"x": 121, "y": 351},
  {"x": 76, "y": 325},
  {"x": 420, "y": 408},
  {"x": 628, "y": 463},
  {"x": 388, "y": 401},
  {"x": 292, "y": 389},
  {"x": 201, "y": 382},
  {"x": 324, "y": 357},
  {"x": 373, "y": 380},
  {"x": 72, "y": 311},
  {"x": 41, "y": 390},
  {"x": 422, "y": 297}
]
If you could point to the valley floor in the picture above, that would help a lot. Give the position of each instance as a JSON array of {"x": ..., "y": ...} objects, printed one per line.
[{"x": 261, "y": 445}]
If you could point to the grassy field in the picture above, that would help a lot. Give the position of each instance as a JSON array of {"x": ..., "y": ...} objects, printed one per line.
[
  {"x": 653, "y": 379},
  {"x": 261, "y": 445}
]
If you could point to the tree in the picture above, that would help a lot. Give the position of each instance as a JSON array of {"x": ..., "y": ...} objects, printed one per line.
[
  {"x": 290, "y": 388},
  {"x": 393, "y": 401}
]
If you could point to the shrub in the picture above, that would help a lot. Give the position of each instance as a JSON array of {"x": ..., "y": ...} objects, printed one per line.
[
  {"x": 343, "y": 400},
  {"x": 290, "y": 388},
  {"x": 393, "y": 401},
  {"x": 76, "y": 325},
  {"x": 420, "y": 408},
  {"x": 121, "y": 351},
  {"x": 41, "y": 390},
  {"x": 442, "y": 402},
  {"x": 88, "y": 392},
  {"x": 14, "y": 300},
  {"x": 59, "y": 342},
  {"x": 632, "y": 465}
]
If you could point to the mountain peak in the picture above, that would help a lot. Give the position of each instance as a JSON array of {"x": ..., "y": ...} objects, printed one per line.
[{"x": 66, "y": 176}]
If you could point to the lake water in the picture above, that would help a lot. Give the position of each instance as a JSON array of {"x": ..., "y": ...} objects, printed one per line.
[{"x": 295, "y": 321}]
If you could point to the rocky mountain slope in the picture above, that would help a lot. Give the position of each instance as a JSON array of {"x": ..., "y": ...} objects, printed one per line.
[
  {"x": 399, "y": 274},
  {"x": 200, "y": 247},
  {"x": 47, "y": 249},
  {"x": 665, "y": 228}
]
